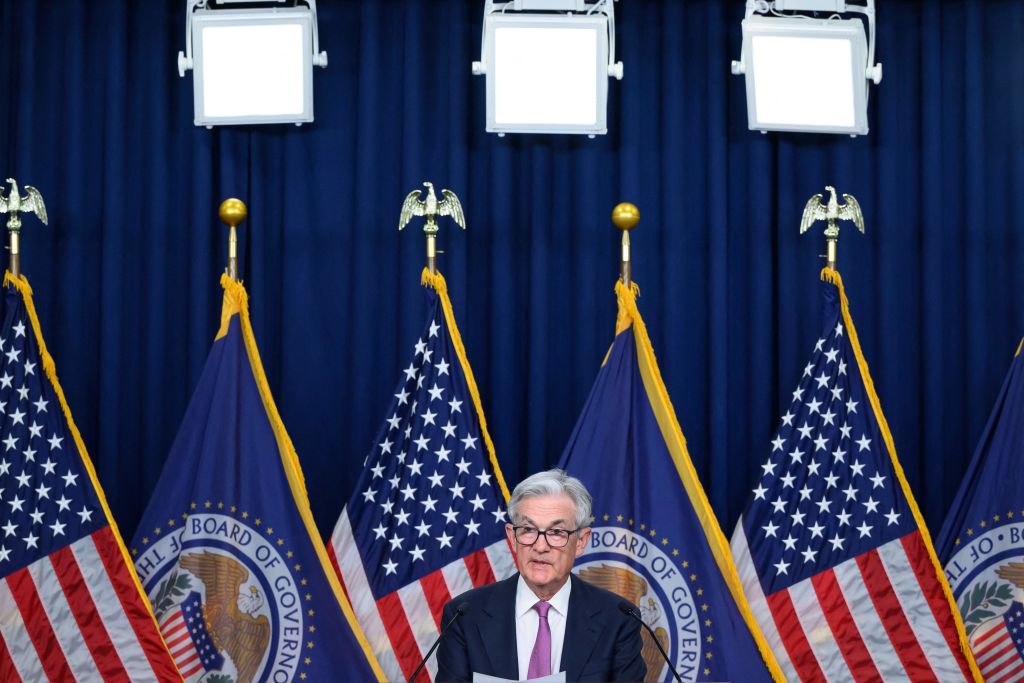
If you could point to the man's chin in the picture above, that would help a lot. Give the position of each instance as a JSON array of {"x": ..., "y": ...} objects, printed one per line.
[{"x": 541, "y": 575}]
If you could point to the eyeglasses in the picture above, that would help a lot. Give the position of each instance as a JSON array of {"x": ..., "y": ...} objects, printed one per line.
[{"x": 556, "y": 538}]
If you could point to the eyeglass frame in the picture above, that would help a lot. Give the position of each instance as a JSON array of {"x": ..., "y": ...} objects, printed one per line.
[{"x": 570, "y": 532}]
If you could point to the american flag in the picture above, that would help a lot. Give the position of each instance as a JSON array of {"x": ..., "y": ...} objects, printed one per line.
[
  {"x": 839, "y": 575},
  {"x": 998, "y": 646},
  {"x": 184, "y": 631},
  {"x": 426, "y": 521},
  {"x": 70, "y": 608}
]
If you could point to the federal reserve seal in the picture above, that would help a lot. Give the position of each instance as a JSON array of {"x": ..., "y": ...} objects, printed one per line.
[
  {"x": 642, "y": 567},
  {"x": 987, "y": 577},
  {"x": 227, "y": 602}
]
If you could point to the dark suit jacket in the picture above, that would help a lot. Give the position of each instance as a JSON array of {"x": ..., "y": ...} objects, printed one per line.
[{"x": 601, "y": 643}]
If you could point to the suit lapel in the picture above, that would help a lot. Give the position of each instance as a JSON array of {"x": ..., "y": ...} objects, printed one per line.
[
  {"x": 582, "y": 629},
  {"x": 498, "y": 629}
]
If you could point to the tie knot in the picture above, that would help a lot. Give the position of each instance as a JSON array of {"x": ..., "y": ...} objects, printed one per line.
[{"x": 542, "y": 608}]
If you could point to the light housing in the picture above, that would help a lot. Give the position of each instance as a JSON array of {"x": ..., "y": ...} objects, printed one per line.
[
  {"x": 807, "y": 74},
  {"x": 548, "y": 72},
  {"x": 252, "y": 65}
]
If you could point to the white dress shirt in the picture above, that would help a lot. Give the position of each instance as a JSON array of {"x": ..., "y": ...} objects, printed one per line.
[{"x": 528, "y": 621}]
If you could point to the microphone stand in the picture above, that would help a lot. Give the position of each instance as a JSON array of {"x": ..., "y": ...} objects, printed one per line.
[
  {"x": 627, "y": 608},
  {"x": 459, "y": 611}
]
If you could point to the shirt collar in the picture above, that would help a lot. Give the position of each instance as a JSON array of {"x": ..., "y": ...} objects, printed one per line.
[{"x": 526, "y": 598}]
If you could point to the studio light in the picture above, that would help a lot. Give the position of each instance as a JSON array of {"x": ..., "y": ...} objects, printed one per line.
[
  {"x": 808, "y": 73},
  {"x": 547, "y": 64},
  {"x": 251, "y": 64}
]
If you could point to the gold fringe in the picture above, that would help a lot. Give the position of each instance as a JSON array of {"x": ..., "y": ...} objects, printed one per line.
[
  {"x": 1018, "y": 348},
  {"x": 623, "y": 319},
  {"x": 437, "y": 282},
  {"x": 629, "y": 314},
  {"x": 236, "y": 301},
  {"x": 20, "y": 283},
  {"x": 833, "y": 277}
]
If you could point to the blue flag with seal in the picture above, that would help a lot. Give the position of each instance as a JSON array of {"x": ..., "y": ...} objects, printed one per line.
[
  {"x": 981, "y": 545},
  {"x": 656, "y": 541},
  {"x": 229, "y": 530}
]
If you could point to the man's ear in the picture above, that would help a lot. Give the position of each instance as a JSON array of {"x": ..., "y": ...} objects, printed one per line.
[
  {"x": 584, "y": 539},
  {"x": 511, "y": 535}
]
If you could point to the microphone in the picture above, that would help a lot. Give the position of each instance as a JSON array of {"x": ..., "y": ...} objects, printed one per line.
[
  {"x": 460, "y": 609},
  {"x": 632, "y": 611}
]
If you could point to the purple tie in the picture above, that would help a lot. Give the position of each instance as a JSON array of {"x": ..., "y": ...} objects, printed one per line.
[{"x": 540, "y": 660}]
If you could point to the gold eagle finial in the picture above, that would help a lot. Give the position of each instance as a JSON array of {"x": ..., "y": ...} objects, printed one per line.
[
  {"x": 831, "y": 212},
  {"x": 15, "y": 204},
  {"x": 431, "y": 208}
]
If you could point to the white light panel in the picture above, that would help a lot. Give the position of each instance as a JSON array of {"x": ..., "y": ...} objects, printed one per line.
[
  {"x": 252, "y": 66},
  {"x": 547, "y": 74},
  {"x": 806, "y": 75}
]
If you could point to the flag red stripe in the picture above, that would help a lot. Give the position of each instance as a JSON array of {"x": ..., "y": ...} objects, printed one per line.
[
  {"x": 38, "y": 627},
  {"x": 195, "y": 669},
  {"x": 997, "y": 662},
  {"x": 185, "y": 662},
  {"x": 90, "y": 624},
  {"x": 793, "y": 637},
  {"x": 997, "y": 630},
  {"x": 396, "y": 624},
  {"x": 172, "y": 633},
  {"x": 333, "y": 558},
  {"x": 923, "y": 568},
  {"x": 1009, "y": 661},
  {"x": 479, "y": 566},
  {"x": 169, "y": 619},
  {"x": 192, "y": 671},
  {"x": 135, "y": 609},
  {"x": 997, "y": 643},
  {"x": 846, "y": 633},
  {"x": 436, "y": 591},
  {"x": 511, "y": 550},
  {"x": 890, "y": 612},
  {"x": 8, "y": 672},
  {"x": 988, "y": 668},
  {"x": 1010, "y": 675},
  {"x": 186, "y": 646},
  {"x": 337, "y": 568},
  {"x": 176, "y": 640}
]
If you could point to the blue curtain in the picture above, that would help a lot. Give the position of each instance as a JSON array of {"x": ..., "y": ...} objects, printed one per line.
[{"x": 93, "y": 114}]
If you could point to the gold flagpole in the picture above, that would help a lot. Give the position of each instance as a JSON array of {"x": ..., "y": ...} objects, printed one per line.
[
  {"x": 232, "y": 213},
  {"x": 13, "y": 246},
  {"x": 625, "y": 216},
  {"x": 16, "y": 204}
]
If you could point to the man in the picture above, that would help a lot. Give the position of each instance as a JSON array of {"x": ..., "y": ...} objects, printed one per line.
[{"x": 543, "y": 620}]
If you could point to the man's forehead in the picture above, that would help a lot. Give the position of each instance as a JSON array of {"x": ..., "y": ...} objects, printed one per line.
[{"x": 548, "y": 507}]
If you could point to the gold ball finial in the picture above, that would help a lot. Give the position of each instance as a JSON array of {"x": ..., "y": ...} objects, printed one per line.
[
  {"x": 625, "y": 216},
  {"x": 232, "y": 212}
]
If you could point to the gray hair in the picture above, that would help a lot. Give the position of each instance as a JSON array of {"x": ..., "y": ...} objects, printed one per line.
[{"x": 552, "y": 483}]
